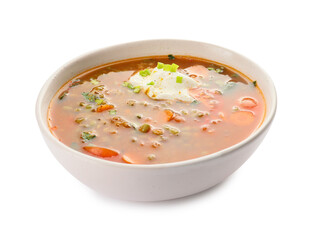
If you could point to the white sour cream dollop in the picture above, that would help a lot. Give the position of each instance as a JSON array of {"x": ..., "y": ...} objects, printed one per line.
[{"x": 163, "y": 85}]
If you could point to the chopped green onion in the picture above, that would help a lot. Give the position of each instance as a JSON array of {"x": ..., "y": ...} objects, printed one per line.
[
  {"x": 151, "y": 83},
  {"x": 179, "y": 79},
  {"x": 145, "y": 73},
  {"x": 137, "y": 89},
  {"x": 211, "y": 69},
  {"x": 94, "y": 82},
  {"x": 160, "y": 65},
  {"x": 112, "y": 112},
  {"x": 167, "y": 67},
  {"x": 218, "y": 70},
  {"x": 128, "y": 85},
  {"x": 254, "y": 83},
  {"x": 174, "y": 67},
  {"x": 171, "y": 57},
  {"x": 195, "y": 102},
  {"x": 99, "y": 101}
]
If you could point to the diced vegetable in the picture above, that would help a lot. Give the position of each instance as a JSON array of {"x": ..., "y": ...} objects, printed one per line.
[
  {"x": 104, "y": 108},
  {"x": 94, "y": 82},
  {"x": 112, "y": 112},
  {"x": 179, "y": 79},
  {"x": 137, "y": 89},
  {"x": 100, "y": 151},
  {"x": 145, "y": 128},
  {"x": 167, "y": 67},
  {"x": 170, "y": 114},
  {"x": 151, "y": 156},
  {"x": 172, "y": 130},
  {"x": 151, "y": 83},
  {"x": 160, "y": 65},
  {"x": 145, "y": 73},
  {"x": 158, "y": 131},
  {"x": 174, "y": 67},
  {"x": 128, "y": 85},
  {"x": 99, "y": 101},
  {"x": 79, "y": 120}
]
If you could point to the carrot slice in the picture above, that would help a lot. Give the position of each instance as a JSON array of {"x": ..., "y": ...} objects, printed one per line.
[
  {"x": 100, "y": 151},
  {"x": 104, "y": 107},
  {"x": 242, "y": 118},
  {"x": 127, "y": 159},
  {"x": 170, "y": 114}
]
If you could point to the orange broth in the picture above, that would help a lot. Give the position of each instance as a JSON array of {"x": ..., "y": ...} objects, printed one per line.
[{"x": 95, "y": 113}]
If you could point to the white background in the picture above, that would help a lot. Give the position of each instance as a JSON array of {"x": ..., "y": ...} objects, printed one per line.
[{"x": 269, "y": 197}]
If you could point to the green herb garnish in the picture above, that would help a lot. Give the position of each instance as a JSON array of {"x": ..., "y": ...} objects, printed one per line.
[
  {"x": 89, "y": 96},
  {"x": 145, "y": 73},
  {"x": 174, "y": 67},
  {"x": 171, "y": 57},
  {"x": 151, "y": 83},
  {"x": 128, "y": 85},
  {"x": 94, "y": 82},
  {"x": 218, "y": 70},
  {"x": 179, "y": 79},
  {"x": 211, "y": 69},
  {"x": 87, "y": 136},
  {"x": 160, "y": 65},
  {"x": 99, "y": 101},
  {"x": 254, "y": 83},
  {"x": 167, "y": 67},
  {"x": 137, "y": 89},
  {"x": 112, "y": 112}
]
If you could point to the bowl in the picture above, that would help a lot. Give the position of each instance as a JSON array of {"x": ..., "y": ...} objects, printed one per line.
[{"x": 159, "y": 181}]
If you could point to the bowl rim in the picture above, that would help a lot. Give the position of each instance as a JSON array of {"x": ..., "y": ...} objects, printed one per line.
[{"x": 46, "y": 132}]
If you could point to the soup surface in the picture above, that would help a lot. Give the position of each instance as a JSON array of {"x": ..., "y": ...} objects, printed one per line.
[{"x": 156, "y": 109}]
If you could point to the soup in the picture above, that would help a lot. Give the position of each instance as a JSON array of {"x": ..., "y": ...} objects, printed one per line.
[{"x": 157, "y": 109}]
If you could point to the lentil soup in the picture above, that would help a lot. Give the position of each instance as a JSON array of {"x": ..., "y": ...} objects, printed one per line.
[{"x": 156, "y": 109}]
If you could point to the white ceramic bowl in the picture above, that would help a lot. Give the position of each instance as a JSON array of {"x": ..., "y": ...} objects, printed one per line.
[{"x": 160, "y": 181}]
